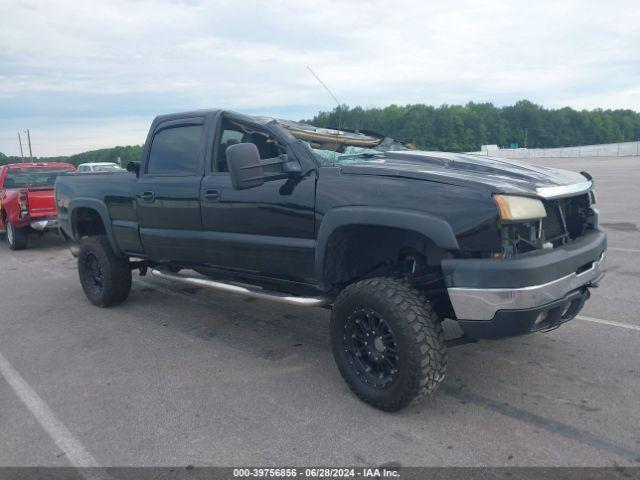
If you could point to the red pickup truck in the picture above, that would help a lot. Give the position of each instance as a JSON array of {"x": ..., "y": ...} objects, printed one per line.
[{"x": 26, "y": 199}]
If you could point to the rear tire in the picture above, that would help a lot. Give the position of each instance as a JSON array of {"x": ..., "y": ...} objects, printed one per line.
[
  {"x": 387, "y": 342},
  {"x": 105, "y": 277},
  {"x": 17, "y": 238}
]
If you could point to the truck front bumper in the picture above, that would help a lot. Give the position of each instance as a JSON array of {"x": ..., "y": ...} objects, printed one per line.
[{"x": 536, "y": 291}]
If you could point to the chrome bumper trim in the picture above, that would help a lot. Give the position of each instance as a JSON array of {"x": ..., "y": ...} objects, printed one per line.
[
  {"x": 483, "y": 303},
  {"x": 560, "y": 191},
  {"x": 41, "y": 225}
]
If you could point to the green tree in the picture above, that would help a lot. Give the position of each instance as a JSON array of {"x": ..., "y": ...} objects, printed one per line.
[{"x": 467, "y": 127}]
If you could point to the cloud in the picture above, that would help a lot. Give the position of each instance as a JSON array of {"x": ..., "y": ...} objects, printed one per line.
[{"x": 85, "y": 62}]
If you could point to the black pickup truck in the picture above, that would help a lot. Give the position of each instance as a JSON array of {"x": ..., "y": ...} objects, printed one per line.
[{"x": 391, "y": 239}]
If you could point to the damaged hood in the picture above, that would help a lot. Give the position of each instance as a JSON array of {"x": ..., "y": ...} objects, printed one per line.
[{"x": 497, "y": 175}]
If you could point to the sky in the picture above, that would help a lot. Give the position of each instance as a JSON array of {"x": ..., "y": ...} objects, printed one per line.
[{"x": 86, "y": 74}]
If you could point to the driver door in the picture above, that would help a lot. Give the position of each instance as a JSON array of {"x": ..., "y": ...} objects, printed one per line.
[{"x": 266, "y": 230}]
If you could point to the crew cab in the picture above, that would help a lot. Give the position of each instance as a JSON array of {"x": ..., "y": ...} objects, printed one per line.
[
  {"x": 26, "y": 199},
  {"x": 391, "y": 239}
]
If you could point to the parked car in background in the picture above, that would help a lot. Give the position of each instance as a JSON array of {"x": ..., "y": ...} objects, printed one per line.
[
  {"x": 26, "y": 199},
  {"x": 99, "y": 167}
]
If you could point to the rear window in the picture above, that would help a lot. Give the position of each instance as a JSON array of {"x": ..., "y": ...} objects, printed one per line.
[
  {"x": 175, "y": 151},
  {"x": 32, "y": 177}
]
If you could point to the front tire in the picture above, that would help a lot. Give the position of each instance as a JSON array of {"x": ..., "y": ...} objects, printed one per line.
[
  {"x": 387, "y": 342},
  {"x": 105, "y": 277},
  {"x": 17, "y": 238}
]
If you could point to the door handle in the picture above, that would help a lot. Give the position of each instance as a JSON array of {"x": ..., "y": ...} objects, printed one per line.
[
  {"x": 212, "y": 195},
  {"x": 146, "y": 196}
]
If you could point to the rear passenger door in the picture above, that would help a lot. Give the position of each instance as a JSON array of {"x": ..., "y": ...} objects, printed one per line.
[{"x": 168, "y": 191}]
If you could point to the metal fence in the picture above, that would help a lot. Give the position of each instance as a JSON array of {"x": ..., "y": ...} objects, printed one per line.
[{"x": 624, "y": 149}]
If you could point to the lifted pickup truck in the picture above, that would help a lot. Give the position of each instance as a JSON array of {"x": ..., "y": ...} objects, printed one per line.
[
  {"x": 26, "y": 199},
  {"x": 392, "y": 240}
]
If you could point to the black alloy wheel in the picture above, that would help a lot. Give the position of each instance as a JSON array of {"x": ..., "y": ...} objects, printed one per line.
[
  {"x": 93, "y": 274},
  {"x": 105, "y": 276},
  {"x": 372, "y": 347},
  {"x": 387, "y": 342}
]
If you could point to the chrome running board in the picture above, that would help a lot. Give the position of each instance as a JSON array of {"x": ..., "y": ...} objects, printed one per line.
[{"x": 246, "y": 291}]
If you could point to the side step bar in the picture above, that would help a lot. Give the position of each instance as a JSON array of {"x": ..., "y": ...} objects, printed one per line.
[{"x": 246, "y": 291}]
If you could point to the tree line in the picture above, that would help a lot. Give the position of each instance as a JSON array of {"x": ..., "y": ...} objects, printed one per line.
[
  {"x": 461, "y": 128},
  {"x": 126, "y": 154},
  {"x": 456, "y": 128}
]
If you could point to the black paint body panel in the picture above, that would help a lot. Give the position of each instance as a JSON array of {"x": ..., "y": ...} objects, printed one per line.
[
  {"x": 280, "y": 230},
  {"x": 535, "y": 268}
]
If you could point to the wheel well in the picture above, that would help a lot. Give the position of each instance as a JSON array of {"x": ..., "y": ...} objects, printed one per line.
[
  {"x": 87, "y": 222},
  {"x": 361, "y": 251}
]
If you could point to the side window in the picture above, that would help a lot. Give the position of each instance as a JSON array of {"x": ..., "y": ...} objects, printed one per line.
[
  {"x": 229, "y": 137},
  {"x": 175, "y": 150},
  {"x": 233, "y": 133}
]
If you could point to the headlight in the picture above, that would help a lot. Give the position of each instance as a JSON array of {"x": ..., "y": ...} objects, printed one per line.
[{"x": 513, "y": 207}]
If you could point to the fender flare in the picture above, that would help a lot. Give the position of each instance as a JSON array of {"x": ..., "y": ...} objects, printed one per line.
[
  {"x": 434, "y": 228},
  {"x": 102, "y": 210}
]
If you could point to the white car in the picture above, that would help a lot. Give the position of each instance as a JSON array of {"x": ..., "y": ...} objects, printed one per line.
[{"x": 99, "y": 167}]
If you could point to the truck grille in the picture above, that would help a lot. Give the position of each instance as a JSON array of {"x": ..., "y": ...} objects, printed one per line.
[
  {"x": 566, "y": 220},
  {"x": 553, "y": 226}
]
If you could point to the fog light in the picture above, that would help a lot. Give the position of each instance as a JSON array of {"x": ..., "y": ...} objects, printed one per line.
[{"x": 542, "y": 316}]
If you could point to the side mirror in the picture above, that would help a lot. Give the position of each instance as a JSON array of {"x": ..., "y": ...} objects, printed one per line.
[
  {"x": 134, "y": 167},
  {"x": 245, "y": 166}
]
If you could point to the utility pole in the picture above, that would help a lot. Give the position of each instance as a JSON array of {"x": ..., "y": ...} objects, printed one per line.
[
  {"x": 30, "y": 152},
  {"x": 526, "y": 134},
  {"x": 20, "y": 142}
]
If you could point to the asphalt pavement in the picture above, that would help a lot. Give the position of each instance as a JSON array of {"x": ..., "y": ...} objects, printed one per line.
[{"x": 183, "y": 376}]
